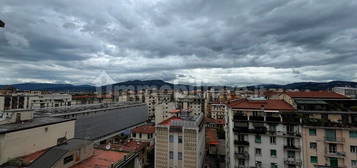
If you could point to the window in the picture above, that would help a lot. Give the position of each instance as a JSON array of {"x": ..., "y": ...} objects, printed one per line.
[
  {"x": 332, "y": 148},
  {"x": 171, "y": 155},
  {"x": 291, "y": 154},
  {"x": 313, "y": 159},
  {"x": 171, "y": 138},
  {"x": 258, "y": 139},
  {"x": 312, "y": 132},
  {"x": 180, "y": 156},
  {"x": 241, "y": 162},
  {"x": 68, "y": 159},
  {"x": 274, "y": 165},
  {"x": 140, "y": 135},
  {"x": 313, "y": 145},
  {"x": 179, "y": 139},
  {"x": 134, "y": 135},
  {"x": 258, "y": 151},
  {"x": 353, "y": 134},
  {"x": 354, "y": 163},
  {"x": 273, "y": 153},
  {"x": 272, "y": 128},
  {"x": 272, "y": 140},
  {"x": 353, "y": 149}
]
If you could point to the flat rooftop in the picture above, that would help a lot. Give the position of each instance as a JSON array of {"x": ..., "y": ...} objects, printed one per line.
[{"x": 35, "y": 122}]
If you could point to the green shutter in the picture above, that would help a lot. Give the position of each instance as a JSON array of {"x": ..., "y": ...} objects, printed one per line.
[
  {"x": 353, "y": 134},
  {"x": 312, "y": 132},
  {"x": 313, "y": 159}
]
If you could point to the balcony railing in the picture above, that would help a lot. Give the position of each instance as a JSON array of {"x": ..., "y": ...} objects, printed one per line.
[
  {"x": 293, "y": 161},
  {"x": 293, "y": 133},
  {"x": 256, "y": 118},
  {"x": 242, "y": 155},
  {"x": 335, "y": 154},
  {"x": 240, "y": 118},
  {"x": 259, "y": 130},
  {"x": 334, "y": 139},
  {"x": 272, "y": 119},
  {"x": 292, "y": 147},
  {"x": 241, "y": 142},
  {"x": 241, "y": 129}
]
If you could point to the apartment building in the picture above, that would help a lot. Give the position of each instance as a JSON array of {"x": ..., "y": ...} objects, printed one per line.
[
  {"x": 262, "y": 134},
  {"x": 191, "y": 102},
  {"x": 180, "y": 142},
  {"x": 346, "y": 91},
  {"x": 33, "y": 101},
  {"x": 217, "y": 110},
  {"x": 144, "y": 133},
  {"x": 329, "y": 128},
  {"x": 164, "y": 111},
  {"x": 21, "y": 134}
]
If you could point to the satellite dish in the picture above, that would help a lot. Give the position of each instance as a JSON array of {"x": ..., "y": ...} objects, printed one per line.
[{"x": 108, "y": 146}]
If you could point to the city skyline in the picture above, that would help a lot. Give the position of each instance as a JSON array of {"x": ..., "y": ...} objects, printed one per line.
[{"x": 218, "y": 43}]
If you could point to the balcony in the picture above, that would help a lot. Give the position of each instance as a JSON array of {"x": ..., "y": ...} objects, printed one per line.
[
  {"x": 242, "y": 155},
  {"x": 273, "y": 119},
  {"x": 259, "y": 130},
  {"x": 293, "y": 161},
  {"x": 241, "y": 129},
  {"x": 240, "y": 118},
  {"x": 292, "y": 147},
  {"x": 323, "y": 123},
  {"x": 240, "y": 142},
  {"x": 291, "y": 120},
  {"x": 256, "y": 118},
  {"x": 334, "y": 140},
  {"x": 336, "y": 154},
  {"x": 293, "y": 133}
]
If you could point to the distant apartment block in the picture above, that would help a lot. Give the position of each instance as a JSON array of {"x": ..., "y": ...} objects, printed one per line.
[
  {"x": 33, "y": 101},
  {"x": 217, "y": 110},
  {"x": 180, "y": 142},
  {"x": 346, "y": 91},
  {"x": 262, "y": 134}
]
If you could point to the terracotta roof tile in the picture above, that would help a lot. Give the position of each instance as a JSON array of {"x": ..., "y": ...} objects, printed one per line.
[
  {"x": 316, "y": 94},
  {"x": 211, "y": 136},
  {"x": 168, "y": 121},
  {"x": 262, "y": 104},
  {"x": 145, "y": 129},
  {"x": 101, "y": 159}
]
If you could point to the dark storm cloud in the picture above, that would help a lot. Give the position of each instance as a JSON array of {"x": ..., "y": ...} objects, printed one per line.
[{"x": 218, "y": 42}]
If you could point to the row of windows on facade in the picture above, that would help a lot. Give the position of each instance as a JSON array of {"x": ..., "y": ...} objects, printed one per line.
[
  {"x": 140, "y": 135},
  {"x": 241, "y": 162},
  {"x": 179, "y": 155},
  {"x": 333, "y": 161},
  {"x": 329, "y": 133},
  {"x": 171, "y": 139},
  {"x": 258, "y": 139}
]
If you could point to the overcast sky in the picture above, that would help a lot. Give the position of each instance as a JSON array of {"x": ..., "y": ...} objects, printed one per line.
[{"x": 235, "y": 42}]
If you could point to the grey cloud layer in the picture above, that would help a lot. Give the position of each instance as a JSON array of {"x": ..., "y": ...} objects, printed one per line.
[{"x": 218, "y": 42}]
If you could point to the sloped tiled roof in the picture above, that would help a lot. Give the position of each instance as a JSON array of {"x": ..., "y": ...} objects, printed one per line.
[
  {"x": 316, "y": 94},
  {"x": 168, "y": 121},
  {"x": 262, "y": 104},
  {"x": 145, "y": 129}
]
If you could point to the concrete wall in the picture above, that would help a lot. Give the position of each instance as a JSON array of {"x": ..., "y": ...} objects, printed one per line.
[
  {"x": 78, "y": 156},
  {"x": 24, "y": 142}
]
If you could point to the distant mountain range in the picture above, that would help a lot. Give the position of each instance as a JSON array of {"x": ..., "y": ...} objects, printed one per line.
[
  {"x": 308, "y": 85},
  {"x": 160, "y": 83}
]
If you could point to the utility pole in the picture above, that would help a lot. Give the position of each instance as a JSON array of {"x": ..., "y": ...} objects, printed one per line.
[{"x": 2, "y": 24}]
